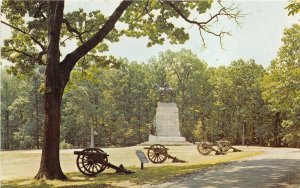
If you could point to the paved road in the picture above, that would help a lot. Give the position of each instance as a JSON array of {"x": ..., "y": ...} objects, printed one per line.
[{"x": 279, "y": 167}]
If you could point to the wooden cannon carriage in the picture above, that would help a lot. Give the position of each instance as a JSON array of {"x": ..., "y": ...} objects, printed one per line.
[
  {"x": 223, "y": 146},
  {"x": 158, "y": 153},
  {"x": 92, "y": 161}
]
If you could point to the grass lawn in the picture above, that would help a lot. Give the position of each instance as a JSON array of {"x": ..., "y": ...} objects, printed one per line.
[{"x": 18, "y": 167}]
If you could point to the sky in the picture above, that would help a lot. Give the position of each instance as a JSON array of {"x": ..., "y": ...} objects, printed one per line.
[{"x": 258, "y": 36}]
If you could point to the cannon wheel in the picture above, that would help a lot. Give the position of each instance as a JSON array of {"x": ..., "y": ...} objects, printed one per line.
[
  {"x": 223, "y": 145},
  {"x": 204, "y": 148},
  {"x": 87, "y": 164},
  {"x": 157, "y": 153},
  {"x": 227, "y": 146}
]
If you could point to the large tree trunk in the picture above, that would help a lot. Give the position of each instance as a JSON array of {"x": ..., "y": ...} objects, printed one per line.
[
  {"x": 50, "y": 165},
  {"x": 55, "y": 83}
]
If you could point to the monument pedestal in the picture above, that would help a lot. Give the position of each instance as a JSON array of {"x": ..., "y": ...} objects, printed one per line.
[
  {"x": 166, "y": 140},
  {"x": 167, "y": 126}
]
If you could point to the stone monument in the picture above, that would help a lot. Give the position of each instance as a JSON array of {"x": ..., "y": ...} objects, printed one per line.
[{"x": 166, "y": 122}]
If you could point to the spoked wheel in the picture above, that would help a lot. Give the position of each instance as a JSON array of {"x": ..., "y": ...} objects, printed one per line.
[
  {"x": 204, "y": 148},
  {"x": 157, "y": 153},
  {"x": 92, "y": 162},
  {"x": 227, "y": 146},
  {"x": 223, "y": 145}
]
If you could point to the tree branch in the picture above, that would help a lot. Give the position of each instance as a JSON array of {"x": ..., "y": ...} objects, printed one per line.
[
  {"x": 163, "y": 14},
  {"x": 68, "y": 38},
  {"x": 87, "y": 31},
  {"x": 26, "y": 33},
  {"x": 230, "y": 12},
  {"x": 145, "y": 9},
  {"x": 71, "y": 59},
  {"x": 21, "y": 52},
  {"x": 72, "y": 30},
  {"x": 40, "y": 58},
  {"x": 38, "y": 13},
  {"x": 37, "y": 59}
]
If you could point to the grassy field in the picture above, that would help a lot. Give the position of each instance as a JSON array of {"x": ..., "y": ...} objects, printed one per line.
[{"x": 18, "y": 167}]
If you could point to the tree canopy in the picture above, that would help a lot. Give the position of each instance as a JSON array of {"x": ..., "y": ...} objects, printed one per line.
[
  {"x": 293, "y": 7},
  {"x": 281, "y": 84},
  {"x": 156, "y": 20}
]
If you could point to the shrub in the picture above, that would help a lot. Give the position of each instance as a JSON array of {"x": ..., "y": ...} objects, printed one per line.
[{"x": 64, "y": 145}]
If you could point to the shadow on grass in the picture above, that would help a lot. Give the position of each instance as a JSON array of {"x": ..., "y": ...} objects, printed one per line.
[
  {"x": 70, "y": 183},
  {"x": 148, "y": 175}
]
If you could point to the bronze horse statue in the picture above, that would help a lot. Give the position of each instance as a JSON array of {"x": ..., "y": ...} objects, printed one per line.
[{"x": 165, "y": 90}]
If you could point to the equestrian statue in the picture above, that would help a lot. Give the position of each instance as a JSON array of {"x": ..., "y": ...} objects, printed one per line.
[{"x": 164, "y": 91}]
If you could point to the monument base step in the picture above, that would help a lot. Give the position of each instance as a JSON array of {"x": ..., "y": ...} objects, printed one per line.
[
  {"x": 166, "y": 143},
  {"x": 153, "y": 138},
  {"x": 166, "y": 140}
]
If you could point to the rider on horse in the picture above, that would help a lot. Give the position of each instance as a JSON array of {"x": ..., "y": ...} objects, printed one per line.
[{"x": 165, "y": 90}]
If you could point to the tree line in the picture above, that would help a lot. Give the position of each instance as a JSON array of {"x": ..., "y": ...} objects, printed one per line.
[{"x": 118, "y": 103}]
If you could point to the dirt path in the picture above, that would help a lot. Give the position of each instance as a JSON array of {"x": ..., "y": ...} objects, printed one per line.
[{"x": 278, "y": 167}]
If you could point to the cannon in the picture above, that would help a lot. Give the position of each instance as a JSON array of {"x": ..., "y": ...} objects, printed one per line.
[
  {"x": 158, "y": 153},
  {"x": 92, "y": 161},
  {"x": 223, "y": 146},
  {"x": 206, "y": 148}
]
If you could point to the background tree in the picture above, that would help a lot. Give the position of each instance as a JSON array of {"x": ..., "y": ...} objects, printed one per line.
[
  {"x": 132, "y": 87},
  {"x": 22, "y": 111},
  {"x": 9, "y": 93},
  {"x": 281, "y": 87},
  {"x": 85, "y": 98},
  {"x": 28, "y": 111},
  {"x": 249, "y": 106},
  {"x": 237, "y": 104},
  {"x": 223, "y": 103}
]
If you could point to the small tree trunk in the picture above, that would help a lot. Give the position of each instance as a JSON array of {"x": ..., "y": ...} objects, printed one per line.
[
  {"x": 243, "y": 137},
  {"x": 6, "y": 146},
  {"x": 203, "y": 128},
  {"x": 37, "y": 114},
  {"x": 92, "y": 136},
  {"x": 276, "y": 125}
]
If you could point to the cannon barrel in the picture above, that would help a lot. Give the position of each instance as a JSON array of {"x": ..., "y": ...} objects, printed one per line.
[{"x": 83, "y": 152}]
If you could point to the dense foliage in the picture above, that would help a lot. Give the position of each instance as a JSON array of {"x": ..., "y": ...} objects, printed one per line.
[
  {"x": 22, "y": 111},
  {"x": 282, "y": 87},
  {"x": 293, "y": 7},
  {"x": 119, "y": 104}
]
